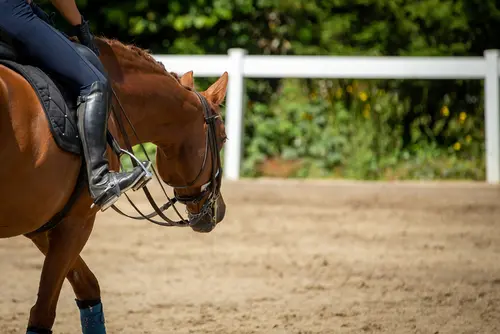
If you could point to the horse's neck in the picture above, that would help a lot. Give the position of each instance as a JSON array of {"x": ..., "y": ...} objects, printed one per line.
[
  {"x": 156, "y": 106},
  {"x": 160, "y": 109}
]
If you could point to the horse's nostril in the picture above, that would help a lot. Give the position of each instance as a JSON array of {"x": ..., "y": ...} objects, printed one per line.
[{"x": 204, "y": 226}]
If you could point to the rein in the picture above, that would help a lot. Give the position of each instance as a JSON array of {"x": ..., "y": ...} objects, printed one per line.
[{"x": 210, "y": 203}]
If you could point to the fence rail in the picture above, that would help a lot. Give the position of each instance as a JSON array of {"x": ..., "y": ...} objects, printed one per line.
[{"x": 239, "y": 65}]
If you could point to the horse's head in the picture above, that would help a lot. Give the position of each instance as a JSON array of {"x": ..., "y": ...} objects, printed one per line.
[
  {"x": 185, "y": 125},
  {"x": 192, "y": 165}
]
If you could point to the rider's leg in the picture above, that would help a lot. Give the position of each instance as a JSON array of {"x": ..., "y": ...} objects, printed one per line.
[
  {"x": 56, "y": 53},
  {"x": 105, "y": 186}
]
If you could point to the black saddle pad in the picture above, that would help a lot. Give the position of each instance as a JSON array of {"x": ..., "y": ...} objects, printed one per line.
[{"x": 58, "y": 103}]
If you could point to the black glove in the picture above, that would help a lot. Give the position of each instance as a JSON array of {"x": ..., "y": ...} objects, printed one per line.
[
  {"x": 82, "y": 31},
  {"x": 41, "y": 14}
]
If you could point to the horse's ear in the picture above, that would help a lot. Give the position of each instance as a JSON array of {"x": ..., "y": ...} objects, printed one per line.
[
  {"x": 187, "y": 80},
  {"x": 217, "y": 92}
]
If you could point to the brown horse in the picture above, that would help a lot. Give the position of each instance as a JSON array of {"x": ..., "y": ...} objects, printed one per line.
[{"x": 38, "y": 178}]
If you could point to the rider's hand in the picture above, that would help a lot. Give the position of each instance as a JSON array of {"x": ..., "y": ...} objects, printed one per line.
[{"x": 82, "y": 31}]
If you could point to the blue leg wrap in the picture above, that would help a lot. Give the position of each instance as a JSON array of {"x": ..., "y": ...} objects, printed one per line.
[
  {"x": 37, "y": 330},
  {"x": 92, "y": 317}
]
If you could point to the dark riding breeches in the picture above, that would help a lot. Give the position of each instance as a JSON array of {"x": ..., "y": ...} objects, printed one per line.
[{"x": 48, "y": 47}]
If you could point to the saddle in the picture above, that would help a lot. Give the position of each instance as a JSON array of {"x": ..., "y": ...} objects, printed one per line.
[{"x": 58, "y": 101}]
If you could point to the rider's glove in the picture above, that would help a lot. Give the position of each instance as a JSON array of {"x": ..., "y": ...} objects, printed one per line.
[{"x": 82, "y": 31}]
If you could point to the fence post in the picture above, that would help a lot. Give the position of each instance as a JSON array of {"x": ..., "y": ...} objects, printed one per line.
[
  {"x": 234, "y": 114},
  {"x": 492, "y": 116}
]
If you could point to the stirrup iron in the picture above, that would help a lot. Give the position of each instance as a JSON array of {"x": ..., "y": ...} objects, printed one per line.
[
  {"x": 148, "y": 176},
  {"x": 108, "y": 204}
]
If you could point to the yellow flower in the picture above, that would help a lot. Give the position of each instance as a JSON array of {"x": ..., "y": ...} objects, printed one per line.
[
  {"x": 366, "y": 111},
  {"x": 445, "y": 111},
  {"x": 338, "y": 93},
  {"x": 363, "y": 96},
  {"x": 463, "y": 117},
  {"x": 457, "y": 146},
  {"x": 349, "y": 89},
  {"x": 307, "y": 116},
  {"x": 468, "y": 138},
  {"x": 151, "y": 16}
]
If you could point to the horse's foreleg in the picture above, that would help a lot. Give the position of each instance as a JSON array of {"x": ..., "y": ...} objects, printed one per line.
[
  {"x": 88, "y": 294},
  {"x": 83, "y": 281},
  {"x": 61, "y": 247},
  {"x": 87, "y": 291}
]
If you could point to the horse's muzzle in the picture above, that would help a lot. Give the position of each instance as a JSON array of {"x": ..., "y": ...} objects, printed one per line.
[{"x": 207, "y": 222}]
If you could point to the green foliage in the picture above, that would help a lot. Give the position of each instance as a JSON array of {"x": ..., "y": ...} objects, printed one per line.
[
  {"x": 406, "y": 135},
  {"x": 357, "y": 132}
]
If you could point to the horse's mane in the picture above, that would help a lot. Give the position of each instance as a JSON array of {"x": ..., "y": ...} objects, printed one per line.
[{"x": 137, "y": 55}]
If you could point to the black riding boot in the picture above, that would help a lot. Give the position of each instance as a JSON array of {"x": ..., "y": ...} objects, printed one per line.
[{"x": 105, "y": 186}]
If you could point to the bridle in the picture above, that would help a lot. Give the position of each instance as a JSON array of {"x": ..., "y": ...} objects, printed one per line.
[{"x": 210, "y": 189}]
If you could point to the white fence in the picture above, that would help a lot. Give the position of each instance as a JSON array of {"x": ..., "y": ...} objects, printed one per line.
[{"x": 240, "y": 66}]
